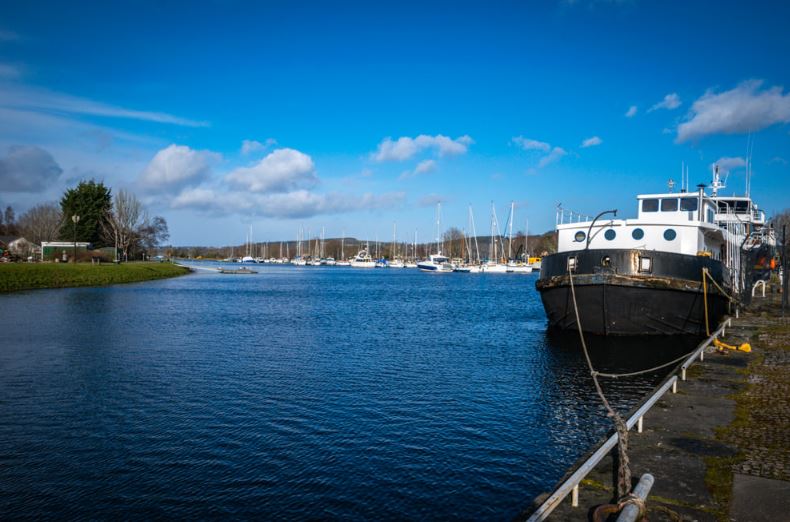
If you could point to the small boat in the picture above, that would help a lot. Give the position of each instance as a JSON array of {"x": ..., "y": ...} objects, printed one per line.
[
  {"x": 363, "y": 260},
  {"x": 436, "y": 263},
  {"x": 518, "y": 268},
  {"x": 236, "y": 271}
]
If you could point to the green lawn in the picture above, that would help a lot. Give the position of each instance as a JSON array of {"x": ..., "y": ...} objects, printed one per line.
[{"x": 26, "y": 276}]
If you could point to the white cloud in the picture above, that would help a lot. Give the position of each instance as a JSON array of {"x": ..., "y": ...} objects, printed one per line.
[
  {"x": 670, "y": 102},
  {"x": 726, "y": 164},
  {"x": 405, "y": 148},
  {"x": 177, "y": 166},
  {"x": 631, "y": 112},
  {"x": 9, "y": 72},
  {"x": 34, "y": 99},
  {"x": 27, "y": 169},
  {"x": 746, "y": 108},
  {"x": 250, "y": 146},
  {"x": 295, "y": 204},
  {"x": 529, "y": 144},
  {"x": 280, "y": 171},
  {"x": 555, "y": 155},
  {"x": 421, "y": 168},
  {"x": 591, "y": 142},
  {"x": 778, "y": 159}
]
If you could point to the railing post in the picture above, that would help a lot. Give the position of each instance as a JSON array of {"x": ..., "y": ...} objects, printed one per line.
[
  {"x": 575, "y": 496},
  {"x": 682, "y": 374},
  {"x": 675, "y": 387},
  {"x": 639, "y": 425}
]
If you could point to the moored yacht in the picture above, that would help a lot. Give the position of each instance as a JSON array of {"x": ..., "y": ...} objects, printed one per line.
[
  {"x": 645, "y": 275},
  {"x": 363, "y": 260},
  {"x": 436, "y": 263}
]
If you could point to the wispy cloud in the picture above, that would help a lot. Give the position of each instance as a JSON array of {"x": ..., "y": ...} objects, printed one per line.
[
  {"x": 530, "y": 144},
  {"x": 727, "y": 164},
  {"x": 422, "y": 167},
  {"x": 252, "y": 146},
  {"x": 430, "y": 200},
  {"x": 778, "y": 159},
  {"x": 405, "y": 148},
  {"x": 670, "y": 102},
  {"x": 631, "y": 112},
  {"x": 9, "y": 72},
  {"x": 289, "y": 205},
  {"x": 746, "y": 108},
  {"x": 35, "y": 99},
  {"x": 552, "y": 154},
  {"x": 555, "y": 155},
  {"x": 8, "y": 36},
  {"x": 591, "y": 142}
]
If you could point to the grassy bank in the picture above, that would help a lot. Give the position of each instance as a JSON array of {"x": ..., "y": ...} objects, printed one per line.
[{"x": 24, "y": 276}]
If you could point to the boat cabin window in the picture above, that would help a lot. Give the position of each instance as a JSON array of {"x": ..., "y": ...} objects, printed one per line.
[
  {"x": 710, "y": 214},
  {"x": 688, "y": 204},
  {"x": 669, "y": 205},
  {"x": 649, "y": 205}
]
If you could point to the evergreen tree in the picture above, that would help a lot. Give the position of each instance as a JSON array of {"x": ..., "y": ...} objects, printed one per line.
[{"x": 92, "y": 202}]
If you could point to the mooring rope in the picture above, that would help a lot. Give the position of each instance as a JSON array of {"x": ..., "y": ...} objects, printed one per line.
[{"x": 623, "y": 469}]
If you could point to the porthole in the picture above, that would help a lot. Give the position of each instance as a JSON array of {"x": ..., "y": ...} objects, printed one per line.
[
  {"x": 670, "y": 234},
  {"x": 579, "y": 236},
  {"x": 638, "y": 234},
  {"x": 606, "y": 261},
  {"x": 610, "y": 234}
]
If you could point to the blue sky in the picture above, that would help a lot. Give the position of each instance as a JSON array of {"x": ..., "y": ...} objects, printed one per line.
[{"x": 359, "y": 115}]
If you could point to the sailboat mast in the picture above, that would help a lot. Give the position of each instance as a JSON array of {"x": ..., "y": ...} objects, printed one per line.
[
  {"x": 438, "y": 225},
  {"x": 510, "y": 231}
]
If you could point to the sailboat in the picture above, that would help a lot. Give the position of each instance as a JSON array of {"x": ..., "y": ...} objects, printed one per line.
[
  {"x": 514, "y": 266},
  {"x": 492, "y": 265},
  {"x": 343, "y": 261},
  {"x": 437, "y": 262}
]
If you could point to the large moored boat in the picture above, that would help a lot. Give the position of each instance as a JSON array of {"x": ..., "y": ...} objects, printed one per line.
[{"x": 645, "y": 275}]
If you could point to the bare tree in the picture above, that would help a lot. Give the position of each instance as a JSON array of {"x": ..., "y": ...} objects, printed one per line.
[
  {"x": 124, "y": 220},
  {"x": 41, "y": 223}
]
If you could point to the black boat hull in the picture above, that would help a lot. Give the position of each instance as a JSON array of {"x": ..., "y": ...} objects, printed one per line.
[{"x": 615, "y": 298}]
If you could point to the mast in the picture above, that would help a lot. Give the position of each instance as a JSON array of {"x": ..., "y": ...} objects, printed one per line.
[
  {"x": 438, "y": 225},
  {"x": 510, "y": 232},
  {"x": 342, "y": 246}
]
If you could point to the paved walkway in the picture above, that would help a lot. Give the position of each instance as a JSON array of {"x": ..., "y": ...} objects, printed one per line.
[{"x": 719, "y": 449}]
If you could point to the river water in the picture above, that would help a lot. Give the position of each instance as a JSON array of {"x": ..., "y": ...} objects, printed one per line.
[{"x": 296, "y": 393}]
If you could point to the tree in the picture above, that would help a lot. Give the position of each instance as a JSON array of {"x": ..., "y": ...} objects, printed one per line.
[
  {"x": 91, "y": 201},
  {"x": 9, "y": 217},
  {"x": 454, "y": 241},
  {"x": 153, "y": 233},
  {"x": 41, "y": 223},
  {"x": 123, "y": 221}
]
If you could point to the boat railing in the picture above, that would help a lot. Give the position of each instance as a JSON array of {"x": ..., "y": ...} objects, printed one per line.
[
  {"x": 565, "y": 216},
  {"x": 571, "y": 484}
]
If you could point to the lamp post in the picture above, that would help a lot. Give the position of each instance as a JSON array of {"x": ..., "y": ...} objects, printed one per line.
[{"x": 76, "y": 219}]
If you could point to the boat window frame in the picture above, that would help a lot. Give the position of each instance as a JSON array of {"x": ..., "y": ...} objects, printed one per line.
[
  {"x": 670, "y": 232},
  {"x": 645, "y": 207},
  {"x": 693, "y": 208},
  {"x": 666, "y": 202},
  {"x": 613, "y": 234},
  {"x": 638, "y": 230},
  {"x": 577, "y": 238}
]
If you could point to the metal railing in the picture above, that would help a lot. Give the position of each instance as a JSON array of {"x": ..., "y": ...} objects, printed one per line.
[
  {"x": 571, "y": 484},
  {"x": 565, "y": 216}
]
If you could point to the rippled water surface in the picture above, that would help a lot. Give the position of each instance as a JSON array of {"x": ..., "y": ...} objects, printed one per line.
[{"x": 294, "y": 393}]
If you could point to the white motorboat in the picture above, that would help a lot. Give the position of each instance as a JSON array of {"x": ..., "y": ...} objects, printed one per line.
[
  {"x": 436, "y": 263},
  {"x": 363, "y": 260}
]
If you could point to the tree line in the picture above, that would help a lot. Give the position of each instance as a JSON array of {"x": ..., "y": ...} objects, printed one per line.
[{"x": 89, "y": 212}]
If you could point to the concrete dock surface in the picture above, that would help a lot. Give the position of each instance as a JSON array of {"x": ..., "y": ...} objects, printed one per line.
[{"x": 719, "y": 448}]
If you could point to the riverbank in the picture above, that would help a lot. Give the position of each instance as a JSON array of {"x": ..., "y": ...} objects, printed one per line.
[
  {"x": 719, "y": 448},
  {"x": 30, "y": 276}
]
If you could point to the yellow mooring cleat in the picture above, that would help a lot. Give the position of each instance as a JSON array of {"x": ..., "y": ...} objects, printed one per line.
[{"x": 745, "y": 347}]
